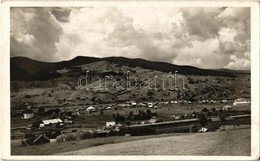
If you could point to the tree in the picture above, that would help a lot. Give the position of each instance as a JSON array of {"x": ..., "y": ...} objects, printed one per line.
[
  {"x": 131, "y": 113},
  {"x": 205, "y": 110},
  {"x": 41, "y": 111},
  {"x": 203, "y": 120},
  {"x": 119, "y": 119},
  {"x": 222, "y": 117},
  {"x": 15, "y": 87},
  {"x": 150, "y": 93},
  {"x": 101, "y": 112}
]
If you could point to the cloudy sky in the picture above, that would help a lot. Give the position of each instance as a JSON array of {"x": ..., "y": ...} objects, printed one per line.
[{"x": 201, "y": 37}]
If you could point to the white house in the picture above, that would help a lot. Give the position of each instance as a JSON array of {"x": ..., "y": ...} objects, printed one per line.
[
  {"x": 110, "y": 123},
  {"x": 108, "y": 108},
  {"x": 150, "y": 104},
  {"x": 227, "y": 108},
  {"x": 91, "y": 108},
  {"x": 51, "y": 121},
  {"x": 28, "y": 114},
  {"x": 241, "y": 101}
]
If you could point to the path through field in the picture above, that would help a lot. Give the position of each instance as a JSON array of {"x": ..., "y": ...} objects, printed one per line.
[{"x": 234, "y": 142}]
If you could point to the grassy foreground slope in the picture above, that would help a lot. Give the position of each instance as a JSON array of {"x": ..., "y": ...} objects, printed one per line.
[{"x": 235, "y": 142}]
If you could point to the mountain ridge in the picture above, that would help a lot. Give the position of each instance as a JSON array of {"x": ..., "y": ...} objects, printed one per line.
[{"x": 24, "y": 68}]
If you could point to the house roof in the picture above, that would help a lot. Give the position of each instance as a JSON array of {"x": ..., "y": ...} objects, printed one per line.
[
  {"x": 41, "y": 137},
  {"x": 241, "y": 100},
  {"x": 227, "y": 106},
  {"x": 51, "y": 121},
  {"x": 91, "y": 108}
]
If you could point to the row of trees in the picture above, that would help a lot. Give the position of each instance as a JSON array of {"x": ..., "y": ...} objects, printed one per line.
[{"x": 142, "y": 115}]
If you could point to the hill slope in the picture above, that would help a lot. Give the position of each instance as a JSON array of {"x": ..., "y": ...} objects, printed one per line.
[
  {"x": 235, "y": 142},
  {"x": 56, "y": 84}
]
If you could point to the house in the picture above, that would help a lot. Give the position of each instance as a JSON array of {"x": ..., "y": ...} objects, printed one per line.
[
  {"x": 175, "y": 117},
  {"x": 150, "y": 104},
  {"x": 224, "y": 101},
  {"x": 28, "y": 114},
  {"x": 173, "y": 102},
  {"x": 91, "y": 108},
  {"x": 142, "y": 104},
  {"x": 70, "y": 99},
  {"x": 241, "y": 101},
  {"x": 41, "y": 139},
  {"x": 68, "y": 121},
  {"x": 155, "y": 120},
  {"x": 227, "y": 108},
  {"x": 131, "y": 103},
  {"x": 203, "y": 129},
  {"x": 50, "y": 122},
  {"x": 110, "y": 123},
  {"x": 108, "y": 108},
  {"x": 213, "y": 101}
]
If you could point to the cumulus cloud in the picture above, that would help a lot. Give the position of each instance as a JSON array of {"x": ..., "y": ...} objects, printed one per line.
[
  {"x": 202, "y": 37},
  {"x": 238, "y": 63},
  {"x": 34, "y": 32},
  {"x": 61, "y": 14}
]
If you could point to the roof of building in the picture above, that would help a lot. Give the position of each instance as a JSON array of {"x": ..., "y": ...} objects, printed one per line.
[
  {"x": 45, "y": 138},
  {"x": 52, "y": 121},
  {"x": 91, "y": 108},
  {"x": 241, "y": 100},
  {"x": 227, "y": 106}
]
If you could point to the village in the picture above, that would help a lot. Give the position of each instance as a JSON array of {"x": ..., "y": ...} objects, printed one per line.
[{"x": 36, "y": 126}]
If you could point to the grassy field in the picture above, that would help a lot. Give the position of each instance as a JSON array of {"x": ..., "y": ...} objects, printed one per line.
[
  {"x": 235, "y": 142},
  {"x": 55, "y": 148}
]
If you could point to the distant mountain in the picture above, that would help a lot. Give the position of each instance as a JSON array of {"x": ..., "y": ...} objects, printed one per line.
[
  {"x": 234, "y": 71},
  {"x": 56, "y": 84},
  {"x": 23, "y": 68}
]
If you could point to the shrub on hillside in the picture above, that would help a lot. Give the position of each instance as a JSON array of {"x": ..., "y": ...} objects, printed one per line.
[
  {"x": 70, "y": 137},
  {"x": 85, "y": 135},
  {"x": 60, "y": 138}
]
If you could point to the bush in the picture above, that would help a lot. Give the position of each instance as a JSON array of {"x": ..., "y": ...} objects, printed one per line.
[
  {"x": 140, "y": 131},
  {"x": 60, "y": 138},
  {"x": 27, "y": 96},
  {"x": 85, "y": 135},
  {"x": 70, "y": 137}
]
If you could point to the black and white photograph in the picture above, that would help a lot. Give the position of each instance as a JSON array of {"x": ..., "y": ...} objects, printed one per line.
[{"x": 136, "y": 80}]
